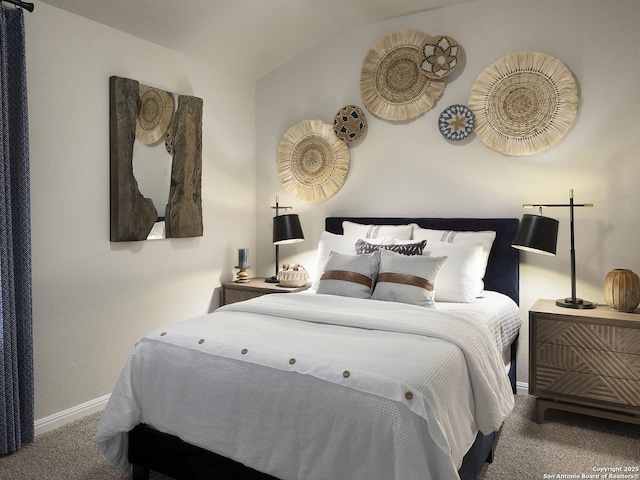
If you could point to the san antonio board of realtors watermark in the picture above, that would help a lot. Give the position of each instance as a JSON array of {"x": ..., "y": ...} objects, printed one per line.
[{"x": 599, "y": 473}]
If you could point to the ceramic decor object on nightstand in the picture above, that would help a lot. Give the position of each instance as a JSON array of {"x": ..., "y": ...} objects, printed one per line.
[
  {"x": 585, "y": 361},
  {"x": 233, "y": 292}
]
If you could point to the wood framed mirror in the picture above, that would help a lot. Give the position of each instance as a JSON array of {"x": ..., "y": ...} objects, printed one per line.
[{"x": 140, "y": 118}]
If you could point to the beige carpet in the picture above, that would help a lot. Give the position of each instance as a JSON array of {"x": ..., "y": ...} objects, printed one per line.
[{"x": 567, "y": 444}]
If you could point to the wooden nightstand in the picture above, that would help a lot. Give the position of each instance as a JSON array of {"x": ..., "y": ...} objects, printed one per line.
[
  {"x": 256, "y": 287},
  {"x": 585, "y": 361}
]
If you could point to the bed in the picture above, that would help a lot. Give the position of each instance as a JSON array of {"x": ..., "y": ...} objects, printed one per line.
[{"x": 410, "y": 430}]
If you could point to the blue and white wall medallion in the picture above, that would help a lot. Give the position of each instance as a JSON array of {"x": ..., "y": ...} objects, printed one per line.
[{"x": 456, "y": 122}]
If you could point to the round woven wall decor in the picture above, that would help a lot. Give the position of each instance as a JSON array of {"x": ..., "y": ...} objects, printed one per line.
[
  {"x": 392, "y": 84},
  {"x": 456, "y": 122},
  {"x": 155, "y": 113},
  {"x": 524, "y": 103},
  {"x": 440, "y": 56},
  {"x": 350, "y": 123},
  {"x": 313, "y": 162}
]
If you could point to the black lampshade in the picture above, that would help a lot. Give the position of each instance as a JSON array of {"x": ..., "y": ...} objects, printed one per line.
[
  {"x": 287, "y": 229},
  {"x": 537, "y": 234}
]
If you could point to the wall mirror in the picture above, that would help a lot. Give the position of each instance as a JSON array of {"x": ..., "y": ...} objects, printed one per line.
[{"x": 156, "y": 162}]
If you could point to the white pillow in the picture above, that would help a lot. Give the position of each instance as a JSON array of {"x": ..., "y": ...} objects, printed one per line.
[
  {"x": 460, "y": 279},
  {"x": 330, "y": 242},
  {"x": 350, "y": 275},
  {"x": 486, "y": 237},
  {"x": 399, "y": 232},
  {"x": 407, "y": 279}
]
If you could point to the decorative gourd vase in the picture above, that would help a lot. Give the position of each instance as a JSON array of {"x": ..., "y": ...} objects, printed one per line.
[{"x": 622, "y": 290}]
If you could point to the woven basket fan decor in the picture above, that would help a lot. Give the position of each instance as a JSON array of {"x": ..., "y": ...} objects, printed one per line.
[
  {"x": 155, "y": 114},
  {"x": 524, "y": 103},
  {"x": 313, "y": 162},
  {"x": 392, "y": 83}
]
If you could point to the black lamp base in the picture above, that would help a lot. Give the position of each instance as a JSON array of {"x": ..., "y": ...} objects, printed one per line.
[
  {"x": 273, "y": 279},
  {"x": 577, "y": 303}
]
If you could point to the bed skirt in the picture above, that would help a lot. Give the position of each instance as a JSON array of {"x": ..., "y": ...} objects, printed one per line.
[{"x": 150, "y": 449}]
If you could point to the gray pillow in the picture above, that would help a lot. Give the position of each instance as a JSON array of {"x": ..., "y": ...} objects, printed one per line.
[
  {"x": 350, "y": 275},
  {"x": 407, "y": 279}
]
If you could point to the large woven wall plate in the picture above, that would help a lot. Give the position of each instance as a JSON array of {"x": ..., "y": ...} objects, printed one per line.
[
  {"x": 523, "y": 103},
  {"x": 155, "y": 114},
  {"x": 313, "y": 162},
  {"x": 392, "y": 84}
]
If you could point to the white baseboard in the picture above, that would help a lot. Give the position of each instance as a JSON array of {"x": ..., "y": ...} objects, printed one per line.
[
  {"x": 59, "y": 419},
  {"x": 522, "y": 388}
]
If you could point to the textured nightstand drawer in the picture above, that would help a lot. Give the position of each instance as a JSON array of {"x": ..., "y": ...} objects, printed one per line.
[
  {"x": 233, "y": 292},
  {"x": 597, "y": 362},
  {"x": 587, "y": 386},
  {"x": 589, "y": 335},
  {"x": 585, "y": 361},
  {"x": 233, "y": 296}
]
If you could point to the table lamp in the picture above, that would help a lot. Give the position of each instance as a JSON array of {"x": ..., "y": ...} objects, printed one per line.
[
  {"x": 286, "y": 229},
  {"x": 540, "y": 235}
]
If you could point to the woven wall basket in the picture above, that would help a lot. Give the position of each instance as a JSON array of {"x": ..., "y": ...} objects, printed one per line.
[
  {"x": 440, "y": 56},
  {"x": 392, "y": 84},
  {"x": 350, "y": 123},
  {"x": 524, "y": 103},
  {"x": 155, "y": 114},
  {"x": 313, "y": 162}
]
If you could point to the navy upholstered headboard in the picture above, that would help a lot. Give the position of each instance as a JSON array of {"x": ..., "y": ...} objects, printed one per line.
[{"x": 503, "y": 269}]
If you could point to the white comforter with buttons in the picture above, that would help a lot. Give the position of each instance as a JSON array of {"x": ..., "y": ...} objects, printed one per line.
[{"x": 307, "y": 386}]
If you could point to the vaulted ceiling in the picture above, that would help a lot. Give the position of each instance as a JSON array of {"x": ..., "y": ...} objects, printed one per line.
[{"x": 247, "y": 37}]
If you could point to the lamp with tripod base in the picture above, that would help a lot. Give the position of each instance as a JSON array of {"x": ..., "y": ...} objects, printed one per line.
[
  {"x": 540, "y": 235},
  {"x": 286, "y": 229}
]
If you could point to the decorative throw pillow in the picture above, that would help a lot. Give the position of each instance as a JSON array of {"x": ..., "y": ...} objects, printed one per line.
[
  {"x": 405, "y": 248},
  {"x": 460, "y": 278},
  {"x": 407, "y": 279},
  {"x": 486, "y": 237},
  {"x": 358, "y": 230},
  {"x": 330, "y": 242},
  {"x": 350, "y": 275}
]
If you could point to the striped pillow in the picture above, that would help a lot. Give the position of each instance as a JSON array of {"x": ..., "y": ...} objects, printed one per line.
[
  {"x": 350, "y": 275},
  {"x": 357, "y": 230},
  {"x": 407, "y": 279},
  {"x": 362, "y": 246}
]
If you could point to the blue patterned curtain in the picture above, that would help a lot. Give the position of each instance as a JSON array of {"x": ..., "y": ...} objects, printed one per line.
[{"x": 16, "y": 345}]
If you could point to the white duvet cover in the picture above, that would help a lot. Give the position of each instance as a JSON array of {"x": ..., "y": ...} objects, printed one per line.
[
  {"x": 307, "y": 386},
  {"x": 497, "y": 312}
]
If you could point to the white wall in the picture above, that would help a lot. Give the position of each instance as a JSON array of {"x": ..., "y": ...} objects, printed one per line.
[
  {"x": 94, "y": 299},
  {"x": 409, "y": 169}
]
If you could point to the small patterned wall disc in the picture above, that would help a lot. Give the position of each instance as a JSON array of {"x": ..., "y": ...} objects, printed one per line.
[
  {"x": 456, "y": 122},
  {"x": 350, "y": 123},
  {"x": 440, "y": 56}
]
